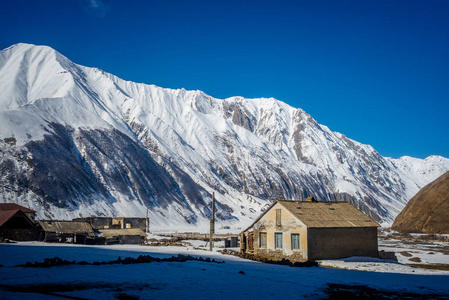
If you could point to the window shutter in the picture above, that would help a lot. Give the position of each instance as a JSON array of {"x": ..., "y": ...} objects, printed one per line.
[{"x": 278, "y": 217}]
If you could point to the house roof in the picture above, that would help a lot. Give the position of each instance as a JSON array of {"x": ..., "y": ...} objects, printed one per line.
[
  {"x": 328, "y": 214},
  {"x": 6, "y": 215},
  {"x": 70, "y": 227},
  {"x": 14, "y": 206},
  {"x": 108, "y": 233},
  {"x": 324, "y": 214}
]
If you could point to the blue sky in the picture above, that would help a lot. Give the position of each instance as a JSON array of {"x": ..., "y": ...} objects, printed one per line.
[{"x": 376, "y": 71}]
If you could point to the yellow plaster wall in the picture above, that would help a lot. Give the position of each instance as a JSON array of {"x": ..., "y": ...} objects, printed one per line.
[{"x": 289, "y": 225}]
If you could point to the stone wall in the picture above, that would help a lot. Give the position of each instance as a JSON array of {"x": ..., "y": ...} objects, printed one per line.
[{"x": 29, "y": 234}]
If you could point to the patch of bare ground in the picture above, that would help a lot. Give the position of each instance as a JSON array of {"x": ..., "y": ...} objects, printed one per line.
[
  {"x": 388, "y": 234},
  {"x": 406, "y": 254},
  {"x": 348, "y": 292},
  {"x": 415, "y": 259}
]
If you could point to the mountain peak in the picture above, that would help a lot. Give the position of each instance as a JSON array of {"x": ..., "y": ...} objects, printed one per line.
[{"x": 127, "y": 146}]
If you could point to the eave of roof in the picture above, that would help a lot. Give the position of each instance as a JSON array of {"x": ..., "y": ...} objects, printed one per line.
[
  {"x": 15, "y": 206},
  {"x": 6, "y": 215},
  {"x": 341, "y": 214},
  {"x": 261, "y": 215}
]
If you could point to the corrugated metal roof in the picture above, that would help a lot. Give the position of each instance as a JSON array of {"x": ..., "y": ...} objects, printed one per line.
[
  {"x": 108, "y": 233},
  {"x": 328, "y": 214},
  {"x": 70, "y": 227},
  {"x": 14, "y": 206},
  {"x": 6, "y": 215}
]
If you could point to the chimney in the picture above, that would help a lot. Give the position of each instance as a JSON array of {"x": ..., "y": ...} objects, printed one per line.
[{"x": 310, "y": 199}]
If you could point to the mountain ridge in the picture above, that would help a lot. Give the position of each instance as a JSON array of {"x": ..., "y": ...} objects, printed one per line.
[{"x": 250, "y": 151}]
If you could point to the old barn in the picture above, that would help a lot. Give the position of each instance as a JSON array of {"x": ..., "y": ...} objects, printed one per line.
[
  {"x": 65, "y": 231},
  {"x": 17, "y": 222}
]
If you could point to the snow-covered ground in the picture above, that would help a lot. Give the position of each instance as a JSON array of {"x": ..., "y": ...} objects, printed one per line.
[
  {"x": 416, "y": 249},
  {"x": 235, "y": 279},
  {"x": 408, "y": 252}
]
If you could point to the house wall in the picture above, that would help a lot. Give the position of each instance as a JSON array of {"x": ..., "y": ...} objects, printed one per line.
[
  {"x": 129, "y": 239},
  {"x": 134, "y": 222},
  {"x": 101, "y": 223},
  {"x": 28, "y": 234},
  {"x": 96, "y": 222},
  {"x": 19, "y": 228},
  {"x": 329, "y": 243},
  {"x": 289, "y": 224},
  {"x": 124, "y": 239}
]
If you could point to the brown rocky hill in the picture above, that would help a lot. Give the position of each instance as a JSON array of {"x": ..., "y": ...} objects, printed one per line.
[{"x": 428, "y": 210}]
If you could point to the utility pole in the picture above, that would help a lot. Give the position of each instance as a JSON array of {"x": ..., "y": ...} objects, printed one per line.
[
  {"x": 147, "y": 221},
  {"x": 212, "y": 223}
]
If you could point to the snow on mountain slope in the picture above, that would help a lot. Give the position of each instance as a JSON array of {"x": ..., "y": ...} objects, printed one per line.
[{"x": 79, "y": 141}]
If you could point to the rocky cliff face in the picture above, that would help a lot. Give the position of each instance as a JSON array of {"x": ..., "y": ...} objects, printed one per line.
[
  {"x": 428, "y": 210},
  {"x": 76, "y": 141}
]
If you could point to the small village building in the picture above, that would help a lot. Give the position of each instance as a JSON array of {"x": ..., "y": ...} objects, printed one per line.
[
  {"x": 65, "y": 231},
  {"x": 96, "y": 222},
  {"x": 232, "y": 242},
  {"x": 116, "y": 222},
  {"x": 130, "y": 222},
  {"x": 17, "y": 222},
  {"x": 122, "y": 236},
  {"x": 311, "y": 230}
]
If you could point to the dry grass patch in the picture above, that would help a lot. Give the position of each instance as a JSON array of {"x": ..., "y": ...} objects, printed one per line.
[
  {"x": 415, "y": 259},
  {"x": 406, "y": 254},
  {"x": 438, "y": 267}
]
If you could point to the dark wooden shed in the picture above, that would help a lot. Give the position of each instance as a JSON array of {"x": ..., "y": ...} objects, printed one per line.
[
  {"x": 65, "y": 231},
  {"x": 17, "y": 222}
]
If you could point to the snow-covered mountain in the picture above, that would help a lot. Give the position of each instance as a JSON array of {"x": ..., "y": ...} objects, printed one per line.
[{"x": 77, "y": 141}]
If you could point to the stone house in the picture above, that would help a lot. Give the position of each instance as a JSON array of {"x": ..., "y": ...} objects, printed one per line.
[
  {"x": 311, "y": 230},
  {"x": 116, "y": 222}
]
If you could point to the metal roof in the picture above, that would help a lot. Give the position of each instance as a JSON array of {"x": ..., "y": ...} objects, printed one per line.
[
  {"x": 328, "y": 214},
  {"x": 70, "y": 227},
  {"x": 315, "y": 214},
  {"x": 14, "y": 206},
  {"x": 6, "y": 215}
]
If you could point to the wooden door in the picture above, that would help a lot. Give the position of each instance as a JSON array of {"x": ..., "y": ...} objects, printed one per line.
[{"x": 251, "y": 241}]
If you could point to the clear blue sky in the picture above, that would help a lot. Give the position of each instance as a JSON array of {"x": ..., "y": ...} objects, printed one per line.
[{"x": 376, "y": 71}]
